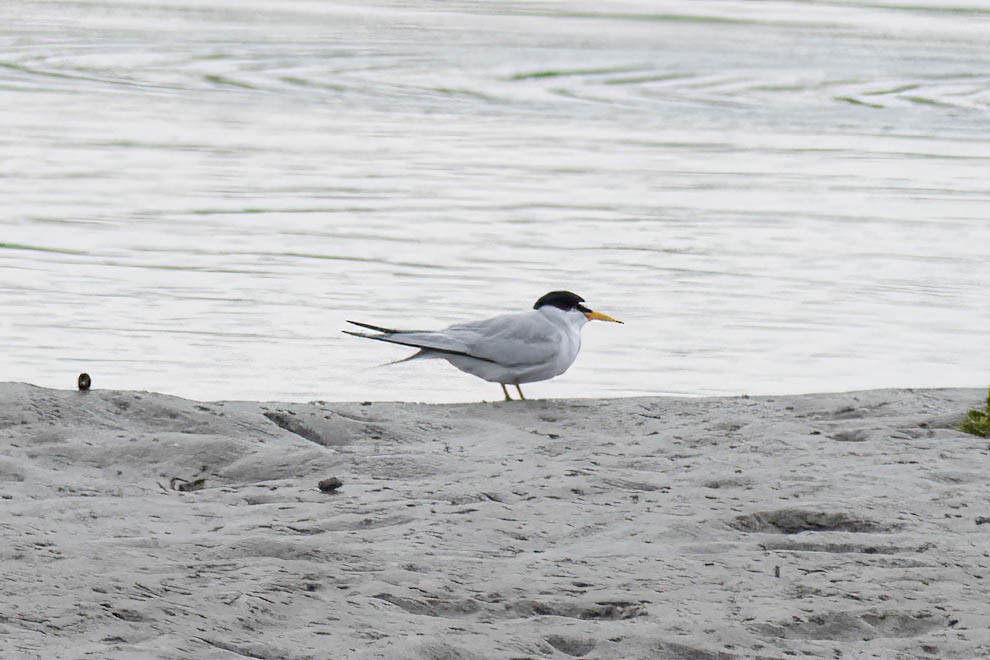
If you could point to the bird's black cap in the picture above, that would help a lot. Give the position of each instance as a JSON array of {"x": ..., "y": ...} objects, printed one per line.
[{"x": 564, "y": 300}]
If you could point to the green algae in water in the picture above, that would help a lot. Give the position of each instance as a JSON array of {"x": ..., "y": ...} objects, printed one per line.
[{"x": 977, "y": 421}]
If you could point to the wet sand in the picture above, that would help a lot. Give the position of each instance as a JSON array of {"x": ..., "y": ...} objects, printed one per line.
[{"x": 142, "y": 525}]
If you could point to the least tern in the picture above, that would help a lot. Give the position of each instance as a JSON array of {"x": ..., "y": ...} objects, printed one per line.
[{"x": 510, "y": 349}]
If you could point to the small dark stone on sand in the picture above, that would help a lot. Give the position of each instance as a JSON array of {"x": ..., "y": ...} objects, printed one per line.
[
  {"x": 185, "y": 486},
  {"x": 330, "y": 485},
  {"x": 84, "y": 382}
]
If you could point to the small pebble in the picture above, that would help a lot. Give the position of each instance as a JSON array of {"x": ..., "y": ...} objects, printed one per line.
[
  {"x": 330, "y": 485},
  {"x": 186, "y": 486},
  {"x": 84, "y": 382}
]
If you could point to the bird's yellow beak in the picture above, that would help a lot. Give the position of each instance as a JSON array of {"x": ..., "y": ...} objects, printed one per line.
[{"x": 598, "y": 316}]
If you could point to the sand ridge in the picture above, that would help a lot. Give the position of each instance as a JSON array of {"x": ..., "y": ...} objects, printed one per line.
[{"x": 139, "y": 524}]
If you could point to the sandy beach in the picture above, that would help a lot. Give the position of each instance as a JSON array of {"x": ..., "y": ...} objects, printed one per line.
[{"x": 142, "y": 525}]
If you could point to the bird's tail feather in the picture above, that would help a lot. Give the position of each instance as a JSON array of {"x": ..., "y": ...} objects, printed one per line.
[
  {"x": 388, "y": 336},
  {"x": 376, "y": 328},
  {"x": 418, "y": 354}
]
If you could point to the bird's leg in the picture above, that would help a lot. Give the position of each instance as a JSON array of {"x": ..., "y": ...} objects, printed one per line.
[
  {"x": 518, "y": 389},
  {"x": 505, "y": 392}
]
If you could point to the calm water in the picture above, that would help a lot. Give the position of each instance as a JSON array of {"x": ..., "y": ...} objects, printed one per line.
[{"x": 776, "y": 197}]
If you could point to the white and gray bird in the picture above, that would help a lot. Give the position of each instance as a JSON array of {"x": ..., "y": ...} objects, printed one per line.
[{"x": 510, "y": 349}]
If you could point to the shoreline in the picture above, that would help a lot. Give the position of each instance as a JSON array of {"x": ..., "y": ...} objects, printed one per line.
[{"x": 706, "y": 527}]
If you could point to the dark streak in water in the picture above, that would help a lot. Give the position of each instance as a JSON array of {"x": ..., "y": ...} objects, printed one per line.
[
  {"x": 932, "y": 9},
  {"x": 63, "y": 75},
  {"x": 39, "y": 248},
  {"x": 303, "y": 82},
  {"x": 924, "y": 100},
  {"x": 571, "y": 72},
  {"x": 449, "y": 91},
  {"x": 693, "y": 18},
  {"x": 893, "y": 90},
  {"x": 855, "y": 101},
  {"x": 651, "y": 78},
  {"x": 227, "y": 82},
  {"x": 39, "y": 72}
]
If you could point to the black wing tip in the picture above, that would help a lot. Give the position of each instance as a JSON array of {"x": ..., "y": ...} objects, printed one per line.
[
  {"x": 376, "y": 328},
  {"x": 422, "y": 349}
]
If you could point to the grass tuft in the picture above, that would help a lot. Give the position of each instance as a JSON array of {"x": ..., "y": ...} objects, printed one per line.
[{"x": 977, "y": 421}]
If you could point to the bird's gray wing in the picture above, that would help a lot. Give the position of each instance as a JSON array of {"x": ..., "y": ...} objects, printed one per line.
[
  {"x": 510, "y": 339},
  {"x": 424, "y": 340}
]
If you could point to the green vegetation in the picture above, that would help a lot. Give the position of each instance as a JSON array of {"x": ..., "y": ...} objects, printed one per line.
[{"x": 977, "y": 421}]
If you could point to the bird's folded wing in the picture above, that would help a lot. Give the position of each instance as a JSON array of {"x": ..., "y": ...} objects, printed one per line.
[
  {"x": 508, "y": 340},
  {"x": 435, "y": 341}
]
